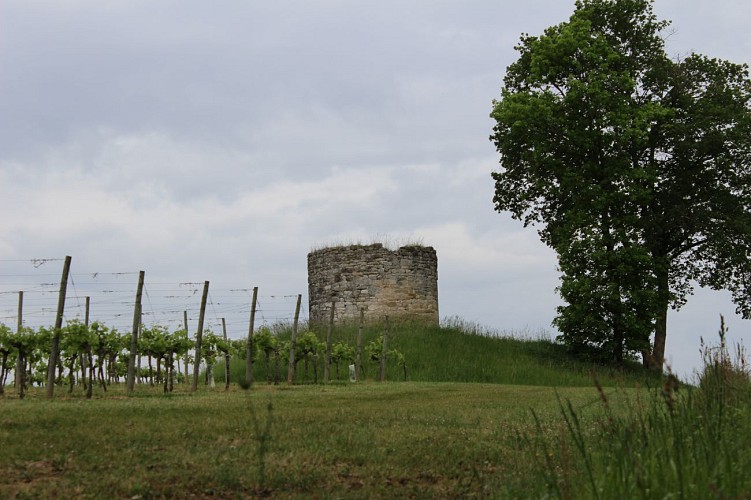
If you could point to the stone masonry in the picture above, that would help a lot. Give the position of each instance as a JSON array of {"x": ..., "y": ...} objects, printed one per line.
[{"x": 401, "y": 284}]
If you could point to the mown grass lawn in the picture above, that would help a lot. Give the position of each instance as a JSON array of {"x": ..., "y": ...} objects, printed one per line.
[{"x": 408, "y": 439}]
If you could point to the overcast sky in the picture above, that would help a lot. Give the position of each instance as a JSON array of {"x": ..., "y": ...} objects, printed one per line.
[{"x": 222, "y": 141}]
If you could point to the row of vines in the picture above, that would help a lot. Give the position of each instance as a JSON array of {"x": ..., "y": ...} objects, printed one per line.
[{"x": 97, "y": 356}]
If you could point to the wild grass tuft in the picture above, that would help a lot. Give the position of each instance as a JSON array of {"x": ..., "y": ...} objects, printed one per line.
[
  {"x": 724, "y": 379},
  {"x": 387, "y": 241},
  {"x": 674, "y": 442}
]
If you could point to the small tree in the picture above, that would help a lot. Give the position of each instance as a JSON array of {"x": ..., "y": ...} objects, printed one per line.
[
  {"x": 308, "y": 346},
  {"x": 5, "y": 351},
  {"x": 227, "y": 350},
  {"x": 342, "y": 353},
  {"x": 265, "y": 343},
  {"x": 36, "y": 354},
  {"x": 157, "y": 343},
  {"x": 374, "y": 352},
  {"x": 209, "y": 351},
  {"x": 112, "y": 345},
  {"x": 76, "y": 342}
]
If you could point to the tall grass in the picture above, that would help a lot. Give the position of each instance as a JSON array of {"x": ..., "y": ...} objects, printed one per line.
[
  {"x": 389, "y": 242},
  {"x": 674, "y": 442}
]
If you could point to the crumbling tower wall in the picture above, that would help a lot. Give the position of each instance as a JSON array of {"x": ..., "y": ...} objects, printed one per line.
[{"x": 401, "y": 284}]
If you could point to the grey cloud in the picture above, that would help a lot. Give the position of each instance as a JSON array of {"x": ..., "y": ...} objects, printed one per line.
[{"x": 221, "y": 141}]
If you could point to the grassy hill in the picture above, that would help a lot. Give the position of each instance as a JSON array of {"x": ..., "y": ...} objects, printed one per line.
[{"x": 464, "y": 353}]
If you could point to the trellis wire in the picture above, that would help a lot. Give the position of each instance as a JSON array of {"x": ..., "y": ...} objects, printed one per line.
[{"x": 112, "y": 297}]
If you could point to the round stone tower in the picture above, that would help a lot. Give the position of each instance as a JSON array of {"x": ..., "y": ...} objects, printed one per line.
[{"x": 401, "y": 284}]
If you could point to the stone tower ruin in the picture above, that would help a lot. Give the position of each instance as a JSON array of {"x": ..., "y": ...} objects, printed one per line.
[{"x": 401, "y": 284}]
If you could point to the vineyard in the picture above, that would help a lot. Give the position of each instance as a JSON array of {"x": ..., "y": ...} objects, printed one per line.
[
  {"x": 77, "y": 332},
  {"x": 147, "y": 385}
]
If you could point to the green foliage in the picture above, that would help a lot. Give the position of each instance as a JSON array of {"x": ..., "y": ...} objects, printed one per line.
[
  {"x": 342, "y": 353},
  {"x": 179, "y": 344},
  {"x": 610, "y": 308},
  {"x": 209, "y": 347},
  {"x": 5, "y": 334},
  {"x": 307, "y": 343},
  {"x": 636, "y": 168},
  {"x": 76, "y": 338},
  {"x": 6, "y": 353},
  {"x": 26, "y": 341},
  {"x": 239, "y": 347},
  {"x": 153, "y": 341},
  {"x": 264, "y": 341}
]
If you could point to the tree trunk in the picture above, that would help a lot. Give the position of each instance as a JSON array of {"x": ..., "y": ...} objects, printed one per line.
[
  {"x": 83, "y": 371},
  {"x": 100, "y": 368},
  {"x": 172, "y": 370},
  {"x": 661, "y": 324},
  {"x": 60, "y": 370},
  {"x": 4, "y": 371},
  {"x": 71, "y": 376},
  {"x": 92, "y": 376},
  {"x": 165, "y": 378},
  {"x": 22, "y": 375},
  {"x": 111, "y": 368}
]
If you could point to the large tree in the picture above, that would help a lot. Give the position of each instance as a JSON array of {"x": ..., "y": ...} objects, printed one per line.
[{"x": 635, "y": 167}]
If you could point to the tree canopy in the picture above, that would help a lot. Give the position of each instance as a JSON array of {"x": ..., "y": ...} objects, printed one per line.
[{"x": 635, "y": 167}]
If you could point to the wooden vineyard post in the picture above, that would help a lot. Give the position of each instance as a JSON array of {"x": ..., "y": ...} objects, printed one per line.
[
  {"x": 385, "y": 348},
  {"x": 292, "y": 340},
  {"x": 90, "y": 360},
  {"x": 140, "y": 333},
  {"x": 18, "y": 331},
  {"x": 134, "y": 335},
  {"x": 327, "y": 361},
  {"x": 226, "y": 356},
  {"x": 199, "y": 337},
  {"x": 55, "y": 348},
  {"x": 84, "y": 363},
  {"x": 21, "y": 360},
  {"x": 249, "y": 353},
  {"x": 185, "y": 324},
  {"x": 20, "y": 312},
  {"x": 358, "y": 348}
]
